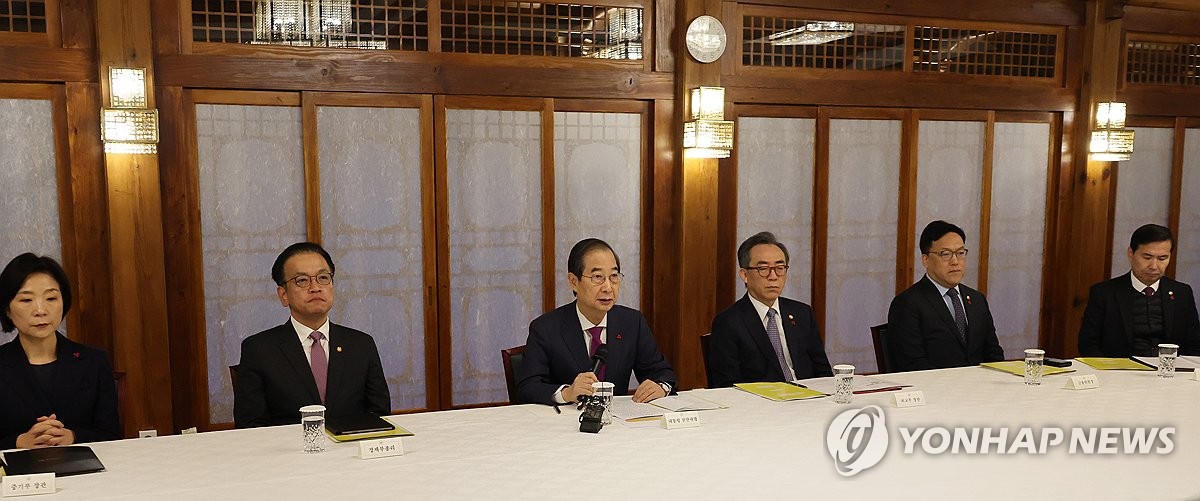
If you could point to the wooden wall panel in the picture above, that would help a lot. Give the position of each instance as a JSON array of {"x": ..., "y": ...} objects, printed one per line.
[
  {"x": 418, "y": 74},
  {"x": 77, "y": 29},
  {"x": 1055, "y": 12}
]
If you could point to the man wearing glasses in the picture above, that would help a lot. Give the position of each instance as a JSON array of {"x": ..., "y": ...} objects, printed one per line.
[
  {"x": 764, "y": 336},
  {"x": 307, "y": 360},
  {"x": 938, "y": 322},
  {"x": 557, "y": 367}
]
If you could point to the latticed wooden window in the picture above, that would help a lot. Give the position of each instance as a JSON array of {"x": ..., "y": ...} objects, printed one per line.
[
  {"x": 541, "y": 29},
  {"x": 23, "y": 16},
  {"x": 360, "y": 24},
  {"x": 984, "y": 52},
  {"x": 825, "y": 44},
  {"x": 1162, "y": 63}
]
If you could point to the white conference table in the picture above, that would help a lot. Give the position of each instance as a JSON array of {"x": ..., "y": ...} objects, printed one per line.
[{"x": 754, "y": 448}]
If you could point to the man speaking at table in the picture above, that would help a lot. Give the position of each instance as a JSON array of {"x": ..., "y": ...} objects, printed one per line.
[
  {"x": 307, "y": 360},
  {"x": 938, "y": 322},
  {"x": 557, "y": 367},
  {"x": 764, "y": 336},
  {"x": 1131, "y": 314}
]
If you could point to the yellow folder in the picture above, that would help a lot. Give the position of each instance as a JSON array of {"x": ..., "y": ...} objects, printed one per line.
[
  {"x": 1109, "y": 364},
  {"x": 779, "y": 392},
  {"x": 1017, "y": 367}
]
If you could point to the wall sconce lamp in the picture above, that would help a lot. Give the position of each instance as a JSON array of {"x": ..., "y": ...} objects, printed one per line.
[
  {"x": 1111, "y": 141},
  {"x": 708, "y": 134},
  {"x": 128, "y": 126}
]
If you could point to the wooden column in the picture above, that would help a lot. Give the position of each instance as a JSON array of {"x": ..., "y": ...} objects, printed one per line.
[
  {"x": 695, "y": 210},
  {"x": 138, "y": 274},
  {"x": 1082, "y": 248}
]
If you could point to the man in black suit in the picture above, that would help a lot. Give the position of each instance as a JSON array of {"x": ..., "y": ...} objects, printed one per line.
[
  {"x": 307, "y": 360},
  {"x": 938, "y": 322},
  {"x": 1131, "y": 314},
  {"x": 557, "y": 367},
  {"x": 745, "y": 344}
]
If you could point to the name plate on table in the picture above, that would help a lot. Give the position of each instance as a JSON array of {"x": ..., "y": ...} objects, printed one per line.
[
  {"x": 1196, "y": 376},
  {"x": 910, "y": 399},
  {"x": 673, "y": 420},
  {"x": 28, "y": 485},
  {"x": 382, "y": 448},
  {"x": 1084, "y": 382}
]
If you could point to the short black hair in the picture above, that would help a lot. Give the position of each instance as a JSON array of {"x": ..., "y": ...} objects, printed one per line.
[
  {"x": 935, "y": 231},
  {"x": 292, "y": 250},
  {"x": 581, "y": 249},
  {"x": 760, "y": 238},
  {"x": 1148, "y": 234},
  {"x": 18, "y": 271}
]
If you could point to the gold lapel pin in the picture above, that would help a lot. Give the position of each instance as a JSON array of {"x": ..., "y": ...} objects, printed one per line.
[{"x": 339, "y": 349}]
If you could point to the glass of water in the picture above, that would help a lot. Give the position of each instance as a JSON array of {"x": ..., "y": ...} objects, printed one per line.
[
  {"x": 604, "y": 391},
  {"x": 1166, "y": 359},
  {"x": 843, "y": 383},
  {"x": 312, "y": 419},
  {"x": 1034, "y": 360}
]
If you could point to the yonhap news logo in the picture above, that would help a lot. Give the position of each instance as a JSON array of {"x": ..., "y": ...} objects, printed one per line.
[{"x": 857, "y": 439}]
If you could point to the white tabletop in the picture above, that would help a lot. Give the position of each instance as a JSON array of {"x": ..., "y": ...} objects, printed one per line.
[{"x": 756, "y": 447}]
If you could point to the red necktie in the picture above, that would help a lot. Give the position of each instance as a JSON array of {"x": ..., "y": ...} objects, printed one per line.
[{"x": 1148, "y": 291}]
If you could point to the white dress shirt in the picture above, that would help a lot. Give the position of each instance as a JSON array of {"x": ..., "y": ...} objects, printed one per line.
[{"x": 303, "y": 331}]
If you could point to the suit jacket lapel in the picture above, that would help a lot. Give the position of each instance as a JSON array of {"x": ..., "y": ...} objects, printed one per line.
[
  {"x": 618, "y": 345},
  {"x": 758, "y": 333},
  {"x": 14, "y": 362},
  {"x": 68, "y": 372},
  {"x": 293, "y": 352},
  {"x": 573, "y": 333},
  {"x": 336, "y": 361},
  {"x": 1166, "y": 288},
  {"x": 791, "y": 331},
  {"x": 939, "y": 305}
]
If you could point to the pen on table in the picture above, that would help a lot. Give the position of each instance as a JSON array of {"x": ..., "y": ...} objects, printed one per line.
[
  {"x": 793, "y": 383},
  {"x": 557, "y": 410}
]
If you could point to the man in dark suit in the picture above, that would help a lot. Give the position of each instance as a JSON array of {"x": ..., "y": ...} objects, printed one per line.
[
  {"x": 1131, "y": 314},
  {"x": 745, "y": 344},
  {"x": 307, "y": 360},
  {"x": 938, "y": 322},
  {"x": 557, "y": 367}
]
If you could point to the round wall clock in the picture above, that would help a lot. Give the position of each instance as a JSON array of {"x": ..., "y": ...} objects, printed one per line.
[{"x": 705, "y": 39}]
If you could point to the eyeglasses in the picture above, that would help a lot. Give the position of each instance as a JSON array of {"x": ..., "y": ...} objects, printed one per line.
[
  {"x": 303, "y": 281},
  {"x": 946, "y": 254},
  {"x": 765, "y": 271},
  {"x": 598, "y": 278}
]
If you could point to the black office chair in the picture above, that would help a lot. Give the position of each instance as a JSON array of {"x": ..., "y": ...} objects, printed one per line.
[
  {"x": 512, "y": 361},
  {"x": 233, "y": 374},
  {"x": 883, "y": 355}
]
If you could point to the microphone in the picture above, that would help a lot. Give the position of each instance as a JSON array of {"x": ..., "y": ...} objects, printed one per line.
[{"x": 598, "y": 358}]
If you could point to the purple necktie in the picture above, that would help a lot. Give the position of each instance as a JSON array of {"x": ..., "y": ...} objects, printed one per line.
[
  {"x": 595, "y": 333},
  {"x": 773, "y": 335},
  {"x": 1148, "y": 291},
  {"x": 319, "y": 363}
]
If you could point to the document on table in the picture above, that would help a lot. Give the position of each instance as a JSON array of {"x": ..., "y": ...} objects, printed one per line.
[
  {"x": 1182, "y": 363},
  {"x": 625, "y": 408},
  {"x": 780, "y": 392},
  {"x": 1017, "y": 367},
  {"x": 683, "y": 403},
  {"x": 862, "y": 384},
  {"x": 1108, "y": 364}
]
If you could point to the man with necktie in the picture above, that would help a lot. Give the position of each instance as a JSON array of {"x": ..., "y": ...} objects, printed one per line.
[
  {"x": 938, "y": 322},
  {"x": 764, "y": 336},
  {"x": 557, "y": 367},
  {"x": 307, "y": 360},
  {"x": 1131, "y": 314}
]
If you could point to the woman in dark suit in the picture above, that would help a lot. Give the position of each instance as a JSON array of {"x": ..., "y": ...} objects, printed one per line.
[{"x": 56, "y": 391}]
